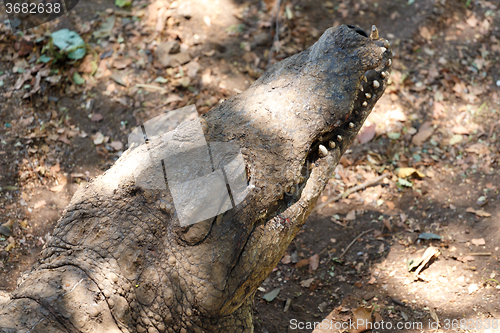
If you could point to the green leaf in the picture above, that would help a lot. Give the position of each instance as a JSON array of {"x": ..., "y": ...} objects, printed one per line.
[
  {"x": 394, "y": 135},
  {"x": 482, "y": 107},
  {"x": 404, "y": 182},
  {"x": 236, "y": 28},
  {"x": 78, "y": 79},
  {"x": 106, "y": 27},
  {"x": 457, "y": 138},
  {"x": 270, "y": 296},
  {"x": 123, "y": 3},
  {"x": 160, "y": 79},
  {"x": 429, "y": 235},
  {"x": 94, "y": 67},
  {"x": 45, "y": 59},
  {"x": 336, "y": 260},
  {"x": 69, "y": 43}
]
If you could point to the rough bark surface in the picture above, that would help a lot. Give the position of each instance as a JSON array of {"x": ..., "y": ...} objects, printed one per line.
[{"x": 119, "y": 261}]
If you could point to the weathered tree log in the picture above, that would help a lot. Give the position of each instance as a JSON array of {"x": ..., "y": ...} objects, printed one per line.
[{"x": 119, "y": 259}]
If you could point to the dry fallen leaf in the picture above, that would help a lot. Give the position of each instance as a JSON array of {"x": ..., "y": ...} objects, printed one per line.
[
  {"x": 351, "y": 216},
  {"x": 119, "y": 79},
  {"x": 88, "y": 65},
  {"x": 363, "y": 319},
  {"x": 390, "y": 205},
  {"x": 23, "y": 78},
  {"x": 122, "y": 63},
  {"x": 286, "y": 259},
  {"x": 62, "y": 182},
  {"x": 478, "y": 241},
  {"x": 404, "y": 217},
  {"x": 302, "y": 263},
  {"x": 192, "y": 69},
  {"x": 438, "y": 110},
  {"x": 96, "y": 117},
  {"x": 459, "y": 129},
  {"x": 55, "y": 169},
  {"x": 387, "y": 224},
  {"x": 11, "y": 245},
  {"x": 173, "y": 98},
  {"x": 478, "y": 212},
  {"x": 472, "y": 21},
  {"x": 39, "y": 204},
  {"x": 27, "y": 121},
  {"x": 425, "y": 33},
  {"x": 477, "y": 148},
  {"x": 424, "y": 132},
  {"x": 314, "y": 262},
  {"x": 466, "y": 258},
  {"x": 57, "y": 188},
  {"x": 97, "y": 138},
  {"x": 406, "y": 172},
  {"x": 116, "y": 145},
  {"x": 307, "y": 283},
  {"x": 419, "y": 263},
  {"x": 64, "y": 138}
]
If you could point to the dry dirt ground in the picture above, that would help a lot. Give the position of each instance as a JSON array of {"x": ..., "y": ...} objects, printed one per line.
[{"x": 435, "y": 134}]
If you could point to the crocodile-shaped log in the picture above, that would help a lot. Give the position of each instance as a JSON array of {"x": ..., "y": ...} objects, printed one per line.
[{"x": 120, "y": 260}]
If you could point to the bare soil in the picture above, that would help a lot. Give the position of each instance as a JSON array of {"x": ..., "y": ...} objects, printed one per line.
[{"x": 440, "y": 116}]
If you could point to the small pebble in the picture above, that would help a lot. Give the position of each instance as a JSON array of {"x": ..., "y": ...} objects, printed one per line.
[{"x": 498, "y": 83}]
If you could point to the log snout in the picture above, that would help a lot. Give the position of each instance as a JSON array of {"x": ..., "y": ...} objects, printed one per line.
[
  {"x": 122, "y": 260},
  {"x": 375, "y": 59}
]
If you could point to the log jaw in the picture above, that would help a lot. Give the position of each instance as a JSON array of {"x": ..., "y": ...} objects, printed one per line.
[{"x": 120, "y": 260}]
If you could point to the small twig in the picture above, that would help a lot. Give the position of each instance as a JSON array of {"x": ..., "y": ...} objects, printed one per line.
[
  {"x": 353, "y": 241},
  {"x": 340, "y": 224},
  {"x": 479, "y": 254},
  {"x": 152, "y": 87},
  {"x": 492, "y": 128},
  {"x": 351, "y": 190},
  {"x": 276, "y": 41},
  {"x": 287, "y": 304}
]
